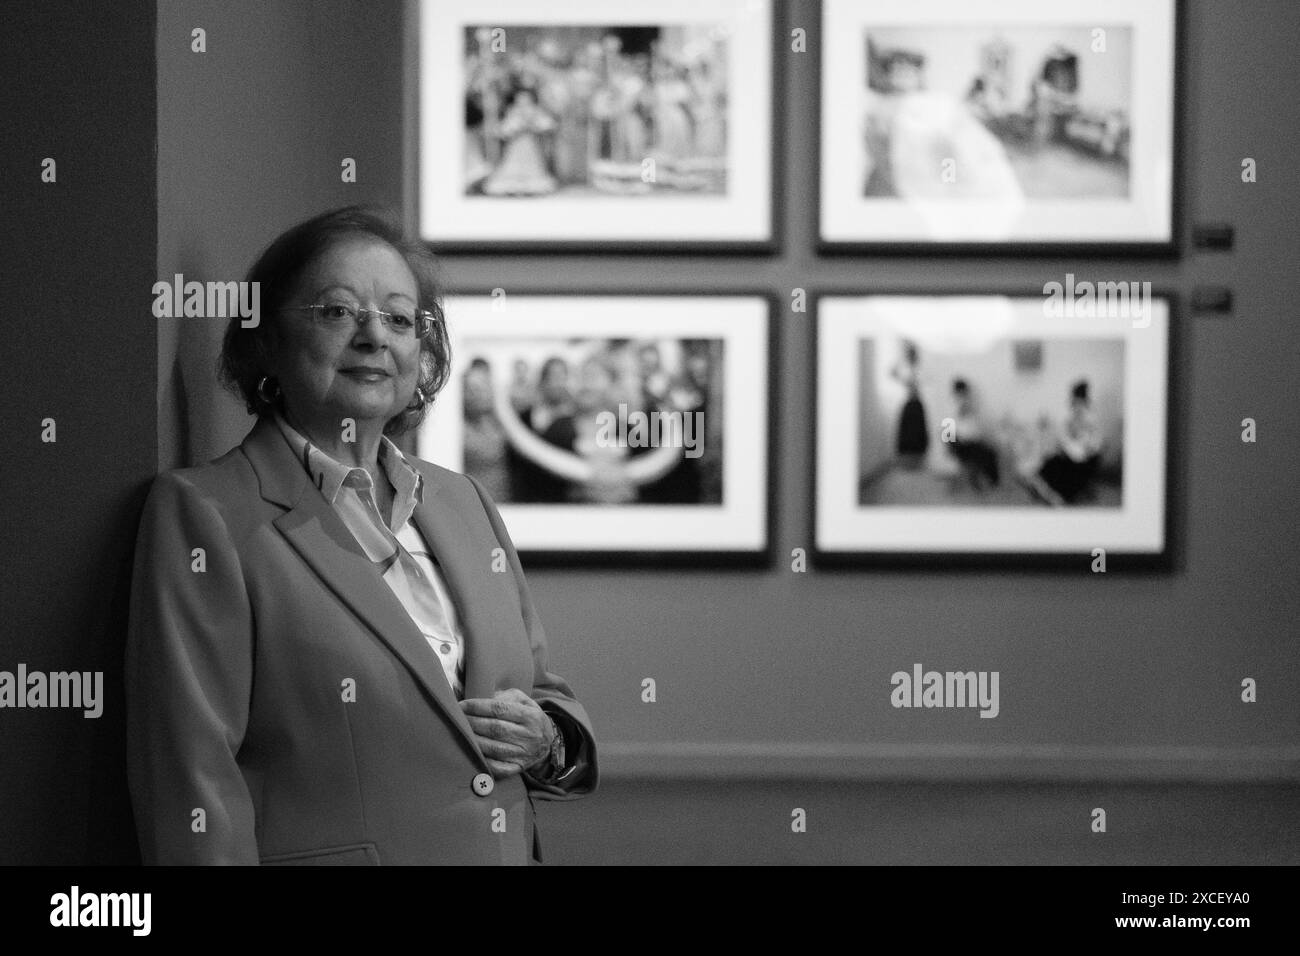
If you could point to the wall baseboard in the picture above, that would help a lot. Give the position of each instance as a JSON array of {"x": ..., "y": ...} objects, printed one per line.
[{"x": 1046, "y": 763}]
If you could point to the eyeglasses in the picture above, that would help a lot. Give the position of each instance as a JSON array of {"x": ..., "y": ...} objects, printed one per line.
[{"x": 336, "y": 317}]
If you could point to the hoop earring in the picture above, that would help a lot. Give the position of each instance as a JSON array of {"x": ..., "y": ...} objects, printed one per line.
[
  {"x": 418, "y": 401},
  {"x": 261, "y": 391}
]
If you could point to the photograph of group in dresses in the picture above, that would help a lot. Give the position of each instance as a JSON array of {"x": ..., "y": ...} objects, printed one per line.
[
  {"x": 589, "y": 110},
  {"x": 1021, "y": 112},
  {"x": 1013, "y": 422},
  {"x": 538, "y": 413}
]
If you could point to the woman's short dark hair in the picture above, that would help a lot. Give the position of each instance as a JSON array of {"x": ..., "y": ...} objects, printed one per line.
[{"x": 246, "y": 352}]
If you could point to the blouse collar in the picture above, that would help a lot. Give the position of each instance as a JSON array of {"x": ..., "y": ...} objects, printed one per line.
[{"x": 329, "y": 474}]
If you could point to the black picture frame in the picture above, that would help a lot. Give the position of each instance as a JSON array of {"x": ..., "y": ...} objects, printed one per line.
[
  {"x": 1169, "y": 249},
  {"x": 701, "y": 559},
  {"x": 1053, "y": 562},
  {"x": 770, "y": 245}
]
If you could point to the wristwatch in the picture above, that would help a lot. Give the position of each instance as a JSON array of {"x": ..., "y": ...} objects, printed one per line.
[{"x": 555, "y": 765}]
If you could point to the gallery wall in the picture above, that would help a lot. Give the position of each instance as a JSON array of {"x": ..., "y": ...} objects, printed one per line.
[
  {"x": 775, "y": 672},
  {"x": 772, "y": 671},
  {"x": 252, "y": 134}
]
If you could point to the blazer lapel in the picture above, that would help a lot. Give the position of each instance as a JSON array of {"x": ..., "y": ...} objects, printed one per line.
[
  {"x": 319, "y": 535},
  {"x": 457, "y": 553}
]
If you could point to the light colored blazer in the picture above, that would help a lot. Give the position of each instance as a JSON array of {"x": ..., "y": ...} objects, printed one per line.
[{"x": 282, "y": 707}]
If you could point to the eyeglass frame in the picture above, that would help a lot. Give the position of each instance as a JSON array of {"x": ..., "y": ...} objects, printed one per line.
[{"x": 429, "y": 318}]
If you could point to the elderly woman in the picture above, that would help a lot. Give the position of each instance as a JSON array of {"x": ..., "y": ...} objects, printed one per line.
[{"x": 333, "y": 656}]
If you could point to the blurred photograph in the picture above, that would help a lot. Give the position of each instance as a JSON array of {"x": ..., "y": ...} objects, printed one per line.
[
  {"x": 536, "y": 409},
  {"x": 1023, "y": 112},
  {"x": 579, "y": 110},
  {"x": 1016, "y": 423}
]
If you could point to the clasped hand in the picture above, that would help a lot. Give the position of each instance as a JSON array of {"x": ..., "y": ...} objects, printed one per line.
[{"x": 513, "y": 732}]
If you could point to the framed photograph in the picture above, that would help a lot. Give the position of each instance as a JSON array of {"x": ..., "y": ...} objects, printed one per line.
[
  {"x": 1025, "y": 125},
  {"x": 590, "y": 125},
  {"x": 628, "y": 426},
  {"x": 952, "y": 426}
]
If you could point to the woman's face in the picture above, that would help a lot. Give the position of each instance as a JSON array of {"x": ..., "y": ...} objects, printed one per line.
[
  {"x": 595, "y": 385},
  {"x": 555, "y": 382},
  {"x": 904, "y": 76},
  {"x": 697, "y": 364},
  {"x": 478, "y": 391},
  {"x": 649, "y": 361},
  {"x": 362, "y": 372}
]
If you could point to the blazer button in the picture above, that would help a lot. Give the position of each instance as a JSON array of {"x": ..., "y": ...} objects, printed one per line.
[{"x": 483, "y": 784}]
